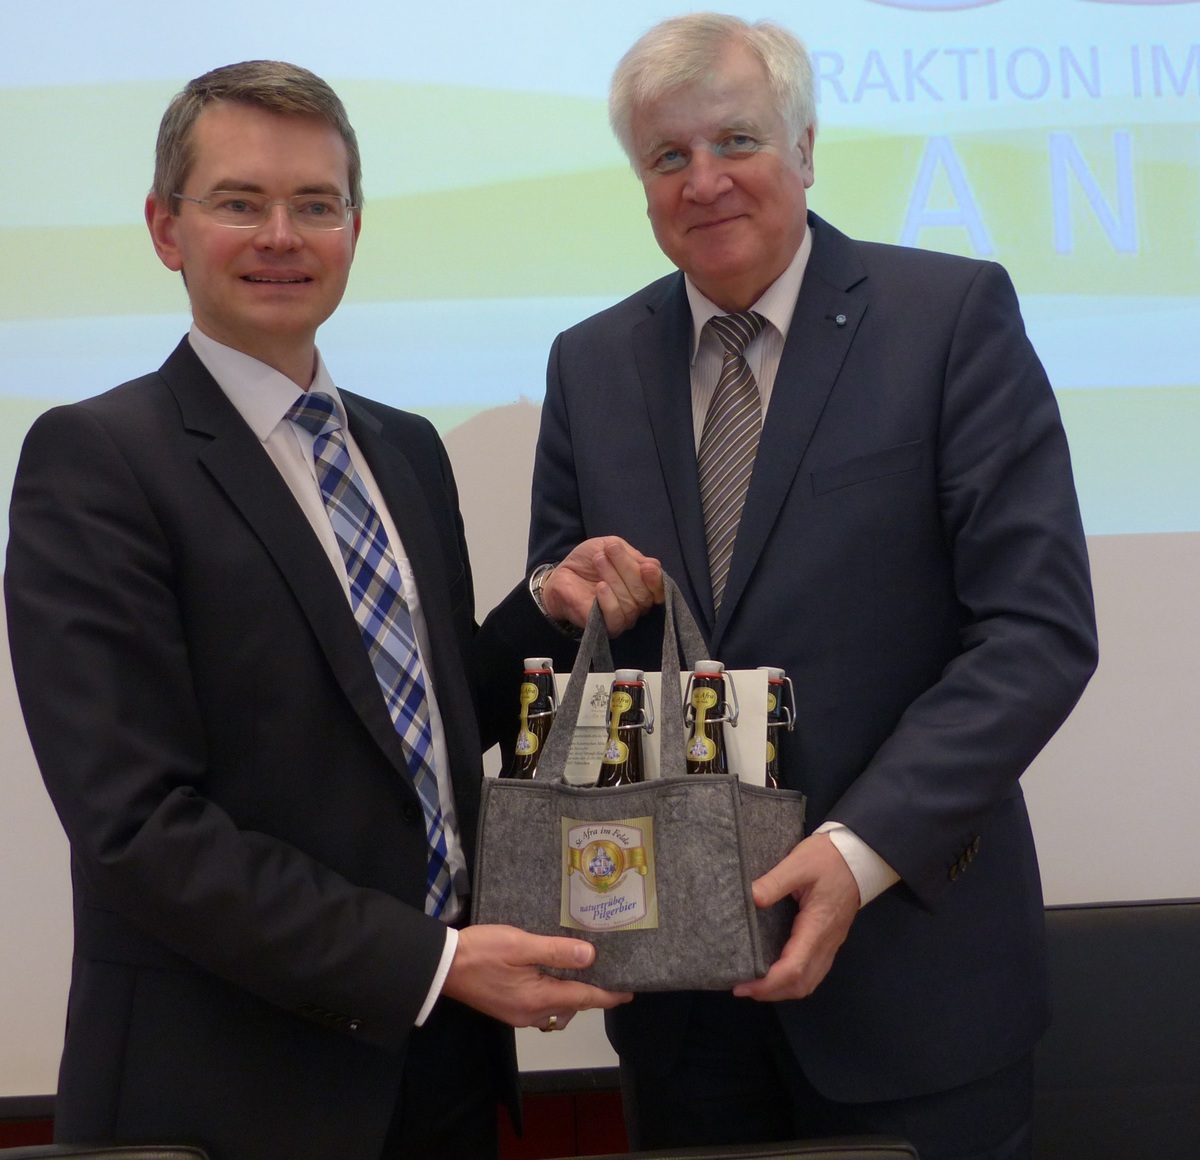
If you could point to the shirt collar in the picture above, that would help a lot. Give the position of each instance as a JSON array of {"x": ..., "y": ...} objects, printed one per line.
[
  {"x": 261, "y": 394},
  {"x": 776, "y": 304}
]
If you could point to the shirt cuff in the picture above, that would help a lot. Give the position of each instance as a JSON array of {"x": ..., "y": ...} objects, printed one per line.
[
  {"x": 870, "y": 871},
  {"x": 439, "y": 977}
]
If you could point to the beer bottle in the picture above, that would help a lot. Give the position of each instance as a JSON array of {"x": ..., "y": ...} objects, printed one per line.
[
  {"x": 538, "y": 704},
  {"x": 778, "y": 719},
  {"x": 706, "y": 718},
  {"x": 622, "y": 761}
]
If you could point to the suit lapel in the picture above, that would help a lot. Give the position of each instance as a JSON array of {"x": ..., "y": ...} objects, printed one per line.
[
  {"x": 829, "y": 308},
  {"x": 661, "y": 348},
  {"x": 238, "y": 463}
]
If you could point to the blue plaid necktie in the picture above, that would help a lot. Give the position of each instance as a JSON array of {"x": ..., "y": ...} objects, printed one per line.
[{"x": 377, "y": 596}]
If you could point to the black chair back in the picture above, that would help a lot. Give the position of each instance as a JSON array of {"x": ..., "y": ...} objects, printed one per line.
[{"x": 1118, "y": 1073}]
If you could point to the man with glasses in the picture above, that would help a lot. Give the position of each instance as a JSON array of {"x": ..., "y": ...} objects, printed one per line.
[{"x": 241, "y": 622}]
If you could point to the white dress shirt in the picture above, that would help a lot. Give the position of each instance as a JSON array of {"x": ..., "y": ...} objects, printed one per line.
[
  {"x": 263, "y": 396},
  {"x": 763, "y": 352}
]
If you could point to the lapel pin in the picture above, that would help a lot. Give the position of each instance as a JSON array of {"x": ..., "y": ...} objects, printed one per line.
[{"x": 840, "y": 319}]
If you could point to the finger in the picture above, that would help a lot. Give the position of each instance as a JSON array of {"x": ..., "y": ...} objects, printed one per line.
[
  {"x": 791, "y": 975},
  {"x": 779, "y": 983},
  {"x": 652, "y": 578},
  {"x": 554, "y": 951},
  {"x": 616, "y": 564},
  {"x": 627, "y": 564},
  {"x": 788, "y": 976},
  {"x": 778, "y": 882},
  {"x": 567, "y": 596},
  {"x": 617, "y": 615},
  {"x": 565, "y": 995}
]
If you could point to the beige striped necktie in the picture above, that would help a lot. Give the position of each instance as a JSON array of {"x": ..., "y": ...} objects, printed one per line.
[{"x": 729, "y": 443}]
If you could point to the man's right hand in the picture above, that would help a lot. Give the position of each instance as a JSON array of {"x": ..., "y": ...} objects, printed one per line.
[
  {"x": 497, "y": 970},
  {"x": 608, "y": 569}
]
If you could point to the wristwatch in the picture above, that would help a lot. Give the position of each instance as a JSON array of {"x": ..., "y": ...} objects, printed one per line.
[{"x": 537, "y": 581}]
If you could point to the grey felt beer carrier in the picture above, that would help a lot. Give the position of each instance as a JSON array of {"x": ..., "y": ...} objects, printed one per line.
[{"x": 657, "y": 875}]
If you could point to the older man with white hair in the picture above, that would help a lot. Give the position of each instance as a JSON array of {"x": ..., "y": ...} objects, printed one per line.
[{"x": 849, "y": 456}]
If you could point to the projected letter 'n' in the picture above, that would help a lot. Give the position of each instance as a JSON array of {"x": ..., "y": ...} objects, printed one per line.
[{"x": 1119, "y": 224}]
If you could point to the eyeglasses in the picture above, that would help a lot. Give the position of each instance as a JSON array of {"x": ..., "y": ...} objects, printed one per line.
[{"x": 246, "y": 211}]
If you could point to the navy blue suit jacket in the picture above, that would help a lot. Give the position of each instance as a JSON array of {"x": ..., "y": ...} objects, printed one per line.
[{"x": 911, "y": 553}]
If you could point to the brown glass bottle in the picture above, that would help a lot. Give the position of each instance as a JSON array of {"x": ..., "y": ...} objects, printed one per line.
[
  {"x": 622, "y": 763},
  {"x": 538, "y": 703},
  {"x": 706, "y": 717},
  {"x": 777, "y": 722}
]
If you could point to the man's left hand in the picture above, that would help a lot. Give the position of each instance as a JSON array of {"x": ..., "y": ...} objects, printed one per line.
[
  {"x": 817, "y": 876},
  {"x": 627, "y": 584}
]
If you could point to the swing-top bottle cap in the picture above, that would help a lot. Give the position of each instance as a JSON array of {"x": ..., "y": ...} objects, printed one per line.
[
  {"x": 773, "y": 674},
  {"x": 709, "y": 668},
  {"x": 629, "y": 676},
  {"x": 537, "y": 664}
]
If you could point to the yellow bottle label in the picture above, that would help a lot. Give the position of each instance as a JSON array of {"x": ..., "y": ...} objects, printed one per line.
[
  {"x": 616, "y": 752},
  {"x": 772, "y": 701},
  {"x": 702, "y": 747},
  {"x": 770, "y": 751},
  {"x": 526, "y": 742}
]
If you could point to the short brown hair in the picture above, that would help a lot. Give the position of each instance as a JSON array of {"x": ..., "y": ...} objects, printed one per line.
[{"x": 273, "y": 85}]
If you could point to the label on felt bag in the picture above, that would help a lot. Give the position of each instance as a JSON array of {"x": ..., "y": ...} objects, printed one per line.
[{"x": 608, "y": 875}]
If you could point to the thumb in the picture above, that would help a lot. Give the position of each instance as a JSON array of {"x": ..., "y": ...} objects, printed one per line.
[
  {"x": 769, "y": 889},
  {"x": 570, "y": 953}
]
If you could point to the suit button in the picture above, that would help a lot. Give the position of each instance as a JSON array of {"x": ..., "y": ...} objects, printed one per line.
[
  {"x": 353, "y": 1025},
  {"x": 411, "y": 812}
]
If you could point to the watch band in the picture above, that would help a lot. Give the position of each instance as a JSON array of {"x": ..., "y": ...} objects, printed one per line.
[{"x": 537, "y": 581}]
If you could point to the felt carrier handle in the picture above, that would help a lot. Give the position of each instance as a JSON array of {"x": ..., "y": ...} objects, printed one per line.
[{"x": 682, "y": 644}]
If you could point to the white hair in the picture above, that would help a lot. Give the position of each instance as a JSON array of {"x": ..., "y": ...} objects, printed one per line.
[{"x": 683, "y": 50}]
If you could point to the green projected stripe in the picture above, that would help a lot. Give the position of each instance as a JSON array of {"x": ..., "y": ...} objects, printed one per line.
[
  {"x": 585, "y": 233},
  {"x": 582, "y": 234},
  {"x": 1133, "y": 451},
  {"x": 92, "y": 146},
  {"x": 1032, "y": 194}
]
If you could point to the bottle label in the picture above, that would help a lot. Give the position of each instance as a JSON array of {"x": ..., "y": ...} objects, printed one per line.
[
  {"x": 702, "y": 747},
  {"x": 770, "y": 751},
  {"x": 608, "y": 878},
  {"x": 616, "y": 752},
  {"x": 772, "y": 702},
  {"x": 526, "y": 742}
]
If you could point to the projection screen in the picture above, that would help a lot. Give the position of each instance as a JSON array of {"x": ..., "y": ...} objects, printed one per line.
[{"x": 1058, "y": 137}]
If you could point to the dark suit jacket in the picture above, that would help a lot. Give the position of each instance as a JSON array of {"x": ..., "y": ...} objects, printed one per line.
[
  {"x": 911, "y": 553},
  {"x": 248, "y": 853}
]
